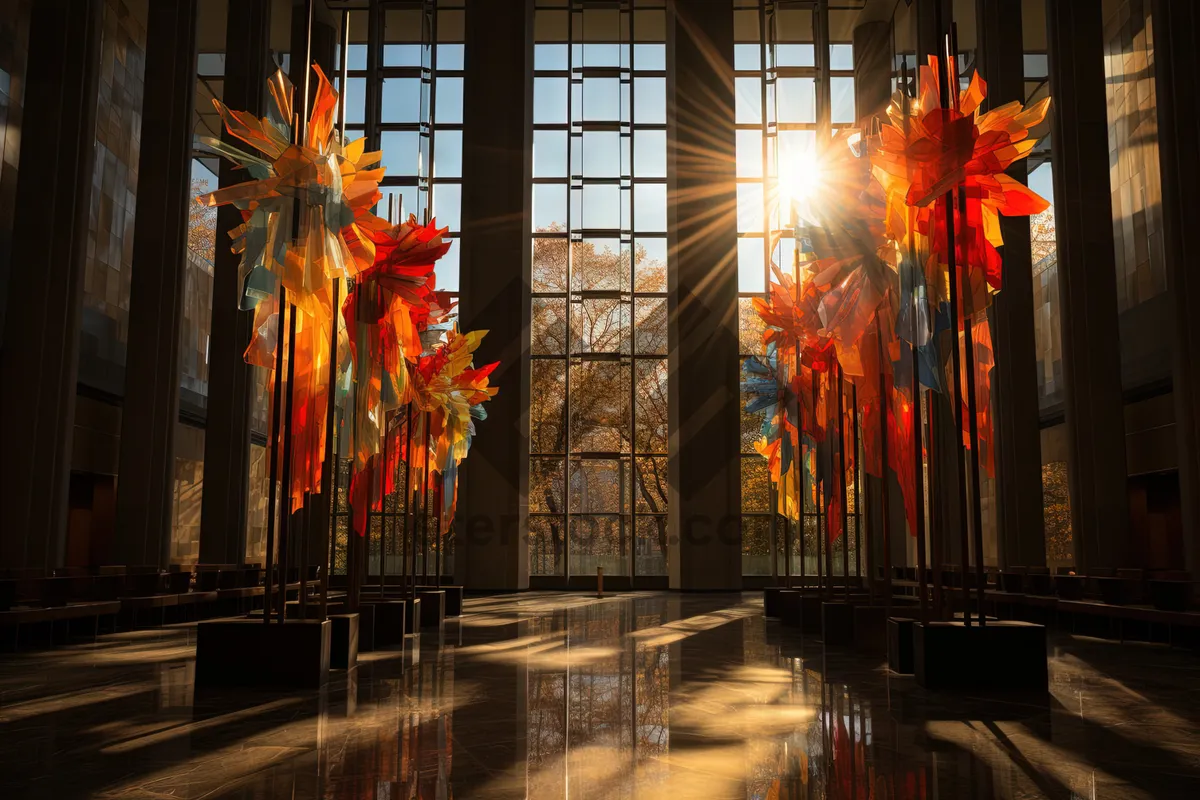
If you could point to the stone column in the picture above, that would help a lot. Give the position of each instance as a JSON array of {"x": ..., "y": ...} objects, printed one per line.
[
  {"x": 703, "y": 413},
  {"x": 40, "y": 359},
  {"x": 230, "y": 379},
  {"x": 1087, "y": 280},
  {"x": 1177, "y": 75},
  {"x": 146, "y": 475},
  {"x": 491, "y": 550},
  {"x": 1021, "y": 526}
]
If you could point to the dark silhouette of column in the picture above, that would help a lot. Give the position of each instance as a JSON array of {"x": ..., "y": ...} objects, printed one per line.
[
  {"x": 872, "y": 71},
  {"x": 1087, "y": 279},
  {"x": 146, "y": 473},
  {"x": 230, "y": 378},
  {"x": 491, "y": 550},
  {"x": 1021, "y": 526},
  {"x": 40, "y": 359},
  {"x": 703, "y": 411},
  {"x": 1177, "y": 76}
]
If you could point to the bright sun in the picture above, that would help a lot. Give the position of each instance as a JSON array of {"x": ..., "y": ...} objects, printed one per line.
[{"x": 800, "y": 177}]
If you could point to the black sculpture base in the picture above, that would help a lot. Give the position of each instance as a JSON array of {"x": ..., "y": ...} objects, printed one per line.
[
  {"x": 433, "y": 608},
  {"x": 870, "y": 629},
  {"x": 390, "y": 620},
  {"x": 837, "y": 623},
  {"x": 366, "y": 628},
  {"x": 343, "y": 641},
  {"x": 900, "y": 645},
  {"x": 798, "y": 609},
  {"x": 771, "y": 600},
  {"x": 1002, "y": 656},
  {"x": 454, "y": 598},
  {"x": 412, "y": 615},
  {"x": 249, "y": 653}
]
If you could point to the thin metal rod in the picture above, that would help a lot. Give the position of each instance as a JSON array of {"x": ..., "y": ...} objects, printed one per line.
[
  {"x": 858, "y": 509},
  {"x": 383, "y": 482},
  {"x": 285, "y": 517},
  {"x": 425, "y": 509},
  {"x": 842, "y": 482},
  {"x": 414, "y": 525},
  {"x": 821, "y": 495},
  {"x": 919, "y": 483},
  {"x": 949, "y": 80},
  {"x": 885, "y": 400},
  {"x": 408, "y": 424},
  {"x": 935, "y": 522},
  {"x": 976, "y": 506},
  {"x": 438, "y": 539},
  {"x": 273, "y": 453},
  {"x": 329, "y": 470}
]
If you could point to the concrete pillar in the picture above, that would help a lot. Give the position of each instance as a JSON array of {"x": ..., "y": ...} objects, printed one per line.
[
  {"x": 146, "y": 472},
  {"x": 1000, "y": 59},
  {"x": 1177, "y": 75},
  {"x": 703, "y": 413},
  {"x": 40, "y": 359},
  {"x": 230, "y": 380},
  {"x": 491, "y": 550},
  {"x": 1087, "y": 280}
]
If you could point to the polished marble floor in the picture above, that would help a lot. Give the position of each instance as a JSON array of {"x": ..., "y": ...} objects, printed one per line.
[{"x": 545, "y": 695}]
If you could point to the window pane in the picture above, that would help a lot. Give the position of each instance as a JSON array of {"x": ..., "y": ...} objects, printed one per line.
[
  {"x": 598, "y": 542},
  {"x": 550, "y": 56},
  {"x": 547, "y": 433},
  {"x": 600, "y": 325},
  {"x": 599, "y": 406},
  {"x": 546, "y": 485},
  {"x": 650, "y": 154},
  {"x": 650, "y": 265},
  {"x": 650, "y": 101},
  {"x": 402, "y": 100},
  {"x": 450, "y": 56},
  {"x": 447, "y": 154},
  {"x": 549, "y": 273},
  {"x": 749, "y": 207},
  {"x": 549, "y": 100},
  {"x": 602, "y": 99},
  {"x": 795, "y": 55},
  {"x": 755, "y": 484},
  {"x": 546, "y": 545},
  {"x": 842, "y": 94},
  {"x": 599, "y": 265},
  {"x": 750, "y": 327},
  {"x": 749, "y": 154},
  {"x": 549, "y": 206},
  {"x": 649, "y": 57},
  {"x": 841, "y": 56},
  {"x": 747, "y": 56},
  {"x": 651, "y": 402},
  {"x": 600, "y": 486},
  {"x": 650, "y": 207},
  {"x": 602, "y": 154},
  {"x": 549, "y": 154},
  {"x": 601, "y": 206},
  {"x": 401, "y": 153},
  {"x": 650, "y": 548},
  {"x": 447, "y": 205},
  {"x": 355, "y": 98},
  {"x": 402, "y": 55},
  {"x": 446, "y": 270},
  {"x": 749, "y": 100},
  {"x": 650, "y": 318},
  {"x": 449, "y": 107},
  {"x": 751, "y": 272},
  {"x": 797, "y": 100},
  {"x": 651, "y": 489},
  {"x": 548, "y": 326}
]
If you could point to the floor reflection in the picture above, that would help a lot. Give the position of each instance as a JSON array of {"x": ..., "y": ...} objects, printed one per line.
[{"x": 546, "y": 695}]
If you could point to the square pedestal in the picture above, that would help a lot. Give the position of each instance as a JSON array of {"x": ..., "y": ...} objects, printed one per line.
[
  {"x": 1001, "y": 656},
  {"x": 900, "y": 645},
  {"x": 870, "y": 629},
  {"x": 798, "y": 609},
  {"x": 412, "y": 615},
  {"x": 837, "y": 623},
  {"x": 433, "y": 608},
  {"x": 454, "y": 598},
  {"x": 366, "y": 628},
  {"x": 249, "y": 653},
  {"x": 390, "y": 621},
  {"x": 343, "y": 641},
  {"x": 771, "y": 600}
]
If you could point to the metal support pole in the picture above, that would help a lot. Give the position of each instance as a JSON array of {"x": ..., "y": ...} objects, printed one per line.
[
  {"x": 273, "y": 453},
  {"x": 919, "y": 483},
  {"x": 286, "y": 512},
  {"x": 842, "y": 483}
]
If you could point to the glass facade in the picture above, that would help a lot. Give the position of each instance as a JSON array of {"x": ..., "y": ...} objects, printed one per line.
[{"x": 598, "y": 416}]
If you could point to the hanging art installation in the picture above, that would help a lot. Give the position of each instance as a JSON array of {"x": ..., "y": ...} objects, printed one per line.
[
  {"x": 393, "y": 352},
  {"x": 895, "y": 262}
]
